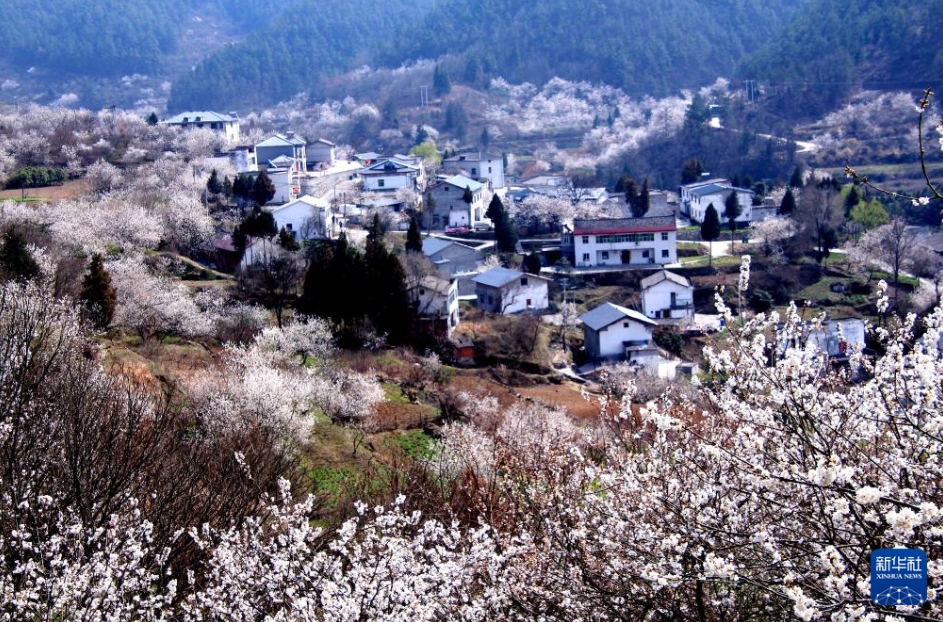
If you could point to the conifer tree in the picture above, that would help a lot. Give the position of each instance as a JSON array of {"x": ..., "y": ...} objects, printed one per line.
[
  {"x": 732, "y": 211},
  {"x": 213, "y": 184},
  {"x": 788, "y": 204},
  {"x": 263, "y": 189},
  {"x": 413, "y": 236},
  {"x": 710, "y": 230},
  {"x": 98, "y": 294},
  {"x": 16, "y": 262}
]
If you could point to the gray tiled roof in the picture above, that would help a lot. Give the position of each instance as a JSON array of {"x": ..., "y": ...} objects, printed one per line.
[
  {"x": 498, "y": 277},
  {"x": 204, "y": 116},
  {"x": 664, "y": 275},
  {"x": 624, "y": 224},
  {"x": 608, "y": 313}
]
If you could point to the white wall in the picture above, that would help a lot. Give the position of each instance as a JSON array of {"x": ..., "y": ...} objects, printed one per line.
[
  {"x": 699, "y": 206},
  {"x": 660, "y": 251},
  {"x": 611, "y": 338},
  {"x": 658, "y": 298}
]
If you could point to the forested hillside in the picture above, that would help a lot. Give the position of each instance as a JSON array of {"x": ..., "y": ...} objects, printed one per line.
[
  {"x": 106, "y": 37},
  {"x": 642, "y": 47},
  {"x": 834, "y": 47},
  {"x": 314, "y": 39}
]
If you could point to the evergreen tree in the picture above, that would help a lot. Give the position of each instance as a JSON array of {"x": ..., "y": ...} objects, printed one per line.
[
  {"x": 213, "y": 184},
  {"x": 732, "y": 211},
  {"x": 287, "y": 241},
  {"x": 227, "y": 187},
  {"x": 851, "y": 200},
  {"x": 495, "y": 209},
  {"x": 710, "y": 230},
  {"x": 16, "y": 262},
  {"x": 788, "y": 204},
  {"x": 316, "y": 296},
  {"x": 485, "y": 138},
  {"x": 242, "y": 187},
  {"x": 441, "y": 82},
  {"x": 532, "y": 263},
  {"x": 796, "y": 180},
  {"x": 413, "y": 236},
  {"x": 691, "y": 171},
  {"x": 387, "y": 301},
  {"x": 630, "y": 187},
  {"x": 152, "y": 119},
  {"x": 263, "y": 189},
  {"x": 468, "y": 196},
  {"x": 99, "y": 296}
]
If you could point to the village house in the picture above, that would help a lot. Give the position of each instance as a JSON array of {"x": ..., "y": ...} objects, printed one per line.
[
  {"x": 695, "y": 199},
  {"x": 321, "y": 154},
  {"x": 305, "y": 218},
  {"x": 391, "y": 174},
  {"x": 225, "y": 124},
  {"x": 243, "y": 159},
  {"x": 614, "y": 332},
  {"x": 436, "y": 302},
  {"x": 477, "y": 165},
  {"x": 623, "y": 241},
  {"x": 283, "y": 151},
  {"x": 505, "y": 291},
  {"x": 451, "y": 210},
  {"x": 453, "y": 260},
  {"x": 666, "y": 295}
]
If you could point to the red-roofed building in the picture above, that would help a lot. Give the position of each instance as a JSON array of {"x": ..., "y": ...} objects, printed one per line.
[{"x": 624, "y": 241}]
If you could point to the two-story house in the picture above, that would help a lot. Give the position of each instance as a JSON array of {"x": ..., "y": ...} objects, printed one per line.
[
  {"x": 436, "y": 301},
  {"x": 225, "y": 124},
  {"x": 505, "y": 291},
  {"x": 614, "y": 332},
  {"x": 666, "y": 295},
  {"x": 623, "y": 241},
  {"x": 695, "y": 199},
  {"x": 321, "y": 152},
  {"x": 450, "y": 209},
  {"x": 477, "y": 165},
  {"x": 391, "y": 174},
  {"x": 283, "y": 151}
]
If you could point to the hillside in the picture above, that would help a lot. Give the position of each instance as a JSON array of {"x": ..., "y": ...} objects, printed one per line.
[
  {"x": 315, "y": 39},
  {"x": 644, "y": 48},
  {"x": 837, "y": 46}
]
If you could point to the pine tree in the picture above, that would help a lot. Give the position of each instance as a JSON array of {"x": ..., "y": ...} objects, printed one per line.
[
  {"x": 532, "y": 263},
  {"x": 441, "y": 81},
  {"x": 796, "y": 180},
  {"x": 16, "y": 262},
  {"x": 99, "y": 296},
  {"x": 691, "y": 171},
  {"x": 732, "y": 211},
  {"x": 413, "y": 236},
  {"x": 287, "y": 241},
  {"x": 710, "y": 230},
  {"x": 213, "y": 184},
  {"x": 788, "y": 204},
  {"x": 263, "y": 189},
  {"x": 152, "y": 119}
]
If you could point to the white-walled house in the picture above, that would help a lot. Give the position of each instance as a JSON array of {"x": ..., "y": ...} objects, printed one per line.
[
  {"x": 284, "y": 180},
  {"x": 389, "y": 175},
  {"x": 450, "y": 257},
  {"x": 436, "y": 301},
  {"x": 666, "y": 295},
  {"x": 696, "y": 198},
  {"x": 479, "y": 166},
  {"x": 225, "y": 124},
  {"x": 614, "y": 332},
  {"x": 321, "y": 152},
  {"x": 244, "y": 160},
  {"x": 282, "y": 146},
  {"x": 305, "y": 218},
  {"x": 623, "y": 241},
  {"x": 505, "y": 291},
  {"x": 451, "y": 210}
]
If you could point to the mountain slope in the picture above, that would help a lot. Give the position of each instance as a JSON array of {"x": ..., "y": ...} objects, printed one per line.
[
  {"x": 835, "y": 46},
  {"x": 315, "y": 39},
  {"x": 643, "y": 47}
]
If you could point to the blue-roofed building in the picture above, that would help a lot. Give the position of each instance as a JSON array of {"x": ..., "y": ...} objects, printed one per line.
[
  {"x": 505, "y": 291},
  {"x": 225, "y": 124},
  {"x": 611, "y": 331},
  {"x": 695, "y": 198},
  {"x": 283, "y": 151}
]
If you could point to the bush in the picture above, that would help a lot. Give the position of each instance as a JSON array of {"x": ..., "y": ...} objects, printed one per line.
[{"x": 36, "y": 177}]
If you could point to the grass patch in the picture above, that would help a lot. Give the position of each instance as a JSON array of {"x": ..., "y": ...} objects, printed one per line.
[
  {"x": 394, "y": 393},
  {"x": 724, "y": 261},
  {"x": 330, "y": 481},
  {"x": 417, "y": 444}
]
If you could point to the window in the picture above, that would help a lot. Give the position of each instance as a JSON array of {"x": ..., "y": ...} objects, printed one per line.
[
  {"x": 585, "y": 239},
  {"x": 446, "y": 189},
  {"x": 625, "y": 324},
  {"x": 644, "y": 253},
  {"x": 664, "y": 253},
  {"x": 664, "y": 237},
  {"x": 605, "y": 255},
  {"x": 523, "y": 281},
  {"x": 585, "y": 256},
  {"x": 529, "y": 303},
  {"x": 474, "y": 172},
  {"x": 288, "y": 226},
  {"x": 489, "y": 169},
  {"x": 381, "y": 183}
]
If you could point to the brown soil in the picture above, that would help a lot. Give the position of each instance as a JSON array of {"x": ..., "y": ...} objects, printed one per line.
[{"x": 68, "y": 190}]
